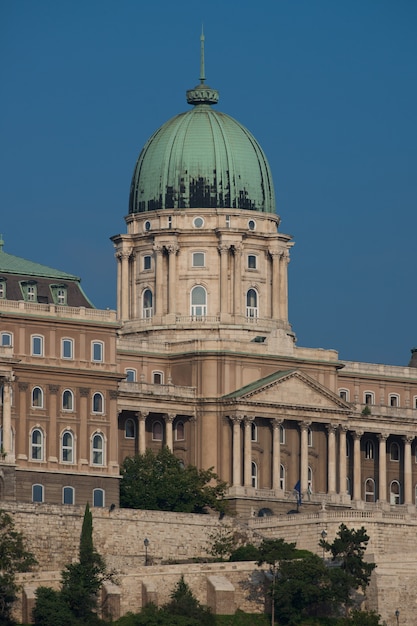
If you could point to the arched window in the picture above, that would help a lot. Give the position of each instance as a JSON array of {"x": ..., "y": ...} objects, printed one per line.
[
  {"x": 98, "y": 497},
  {"x": 158, "y": 378},
  {"x": 98, "y": 403},
  {"x": 130, "y": 376},
  {"x": 6, "y": 339},
  {"x": 309, "y": 480},
  {"x": 37, "y": 398},
  {"x": 310, "y": 437},
  {"x": 157, "y": 431},
  {"x": 130, "y": 430},
  {"x": 254, "y": 432},
  {"x": 198, "y": 302},
  {"x": 252, "y": 304},
  {"x": 369, "y": 490},
  {"x": 36, "y": 445},
  {"x": 348, "y": 486},
  {"x": 344, "y": 394},
  {"x": 395, "y": 492},
  {"x": 68, "y": 400},
  {"x": 254, "y": 475},
  {"x": 37, "y": 493},
  {"x": 179, "y": 431},
  {"x": 282, "y": 434},
  {"x": 394, "y": 399},
  {"x": 369, "y": 449},
  {"x": 147, "y": 304},
  {"x": 369, "y": 397},
  {"x": 348, "y": 447},
  {"x": 98, "y": 449},
  {"x": 68, "y": 495},
  {"x": 282, "y": 477},
  {"x": 394, "y": 451},
  {"x": 67, "y": 447}
]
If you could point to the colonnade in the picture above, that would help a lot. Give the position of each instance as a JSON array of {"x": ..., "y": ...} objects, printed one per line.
[{"x": 336, "y": 460}]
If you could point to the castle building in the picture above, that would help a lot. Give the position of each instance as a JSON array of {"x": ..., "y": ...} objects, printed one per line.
[{"x": 201, "y": 356}]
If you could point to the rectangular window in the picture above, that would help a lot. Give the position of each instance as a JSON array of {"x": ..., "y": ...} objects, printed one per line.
[
  {"x": 67, "y": 348},
  {"x": 147, "y": 262},
  {"x": 198, "y": 259},
  {"x": 6, "y": 339},
  {"x": 97, "y": 351},
  {"x": 37, "y": 345},
  {"x": 2, "y": 289},
  {"x": 252, "y": 261},
  {"x": 68, "y": 495},
  {"x": 61, "y": 296},
  {"x": 227, "y": 221},
  {"x": 31, "y": 293}
]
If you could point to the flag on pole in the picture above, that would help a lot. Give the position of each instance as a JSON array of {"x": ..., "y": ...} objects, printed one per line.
[{"x": 297, "y": 489}]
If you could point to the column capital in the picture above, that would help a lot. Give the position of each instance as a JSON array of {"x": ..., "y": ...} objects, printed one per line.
[
  {"x": 305, "y": 425},
  {"x": 142, "y": 415},
  {"x": 248, "y": 419},
  {"x": 408, "y": 439},
  {"x": 276, "y": 422},
  {"x": 343, "y": 428},
  {"x": 223, "y": 247},
  {"x": 169, "y": 417},
  {"x": 172, "y": 248},
  {"x": 382, "y": 436},
  {"x": 236, "y": 418},
  {"x": 357, "y": 434},
  {"x": 331, "y": 428},
  {"x": 274, "y": 253},
  {"x": 158, "y": 248}
]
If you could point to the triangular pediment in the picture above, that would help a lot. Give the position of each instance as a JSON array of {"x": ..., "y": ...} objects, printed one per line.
[{"x": 292, "y": 388}]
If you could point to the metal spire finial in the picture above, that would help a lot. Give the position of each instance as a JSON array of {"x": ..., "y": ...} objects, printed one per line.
[
  {"x": 202, "y": 94},
  {"x": 202, "y": 70}
]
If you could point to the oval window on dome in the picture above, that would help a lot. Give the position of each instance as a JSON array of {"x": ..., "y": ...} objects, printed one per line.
[
  {"x": 251, "y": 224},
  {"x": 147, "y": 226},
  {"x": 198, "y": 222}
]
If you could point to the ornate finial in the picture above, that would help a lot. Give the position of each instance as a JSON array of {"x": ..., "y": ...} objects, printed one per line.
[
  {"x": 202, "y": 94},
  {"x": 202, "y": 72},
  {"x": 1, "y": 243}
]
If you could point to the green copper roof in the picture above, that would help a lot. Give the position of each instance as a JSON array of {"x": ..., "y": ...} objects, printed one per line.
[
  {"x": 10, "y": 264},
  {"x": 257, "y": 384},
  {"x": 202, "y": 159}
]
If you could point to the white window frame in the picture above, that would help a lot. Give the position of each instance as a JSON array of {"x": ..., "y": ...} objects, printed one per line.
[
  {"x": 198, "y": 256},
  {"x": 39, "y": 446},
  {"x": 394, "y": 397},
  {"x": 394, "y": 497},
  {"x": 372, "y": 494},
  {"x": 309, "y": 437},
  {"x": 5, "y": 335},
  {"x": 147, "y": 311},
  {"x": 255, "y": 260},
  {"x": 198, "y": 310},
  {"x": 155, "y": 375},
  {"x": 131, "y": 375},
  {"x": 34, "y": 340},
  {"x": 97, "y": 395},
  {"x": 282, "y": 434},
  {"x": 99, "y": 346},
  {"x": 369, "y": 449},
  {"x": 368, "y": 395},
  {"x": 40, "y": 404},
  {"x": 68, "y": 449},
  {"x": 252, "y": 311},
  {"x": 253, "y": 432},
  {"x": 131, "y": 421},
  {"x": 71, "y": 490},
  {"x": 42, "y": 491},
  {"x": 67, "y": 342},
  {"x": 97, "y": 452},
  {"x": 394, "y": 445},
  {"x": 147, "y": 260},
  {"x": 282, "y": 477},
  {"x": 344, "y": 394},
  {"x": 70, "y": 394},
  {"x": 254, "y": 475},
  {"x": 177, "y": 436},
  {"x": 103, "y": 497},
  {"x": 159, "y": 423}
]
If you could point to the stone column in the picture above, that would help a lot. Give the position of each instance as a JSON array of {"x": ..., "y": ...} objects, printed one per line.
[
  {"x": 408, "y": 491},
  {"x": 169, "y": 418},
  {"x": 113, "y": 439},
  {"x": 172, "y": 277},
  {"x": 342, "y": 459},
  {"x": 53, "y": 452},
  {"x": 125, "y": 288},
  {"x": 237, "y": 274},
  {"x": 247, "y": 464},
  {"x": 331, "y": 458},
  {"x": 357, "y": 470},
  {"x": 276, "y": 453},
  {"x": 276, "y": 284},
  {"x": 7, "y": 418},
  {"x": 119, "y": 284},
  {"x": 21, "y": 424},
  {"x": 224, "y": 299},
  {"x": 382, "y": 459},
  {"x": 283, "y": 284},
  {"x": 237, "y": 463},
  {"x": 84, "y": 439},
  {"x": 142, "y": 415},
  {"x": 304, "y": 426},
  {"x": 158, "y": 303}
]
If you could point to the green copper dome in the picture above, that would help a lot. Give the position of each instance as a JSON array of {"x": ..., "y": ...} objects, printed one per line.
[{"x": 202, "y": 159}]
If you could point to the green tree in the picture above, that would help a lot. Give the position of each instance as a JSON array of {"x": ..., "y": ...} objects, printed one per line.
[
  {"x": 50, "y": 610},
  {"x": 82, "y": 581},
  {"x": 14, "y": 558},
  {"x": 160, "y": 482},
  {"x": 275, "y": 550},
  {"x": 184, "y": 603},
  {"x": 248, "y": 552},
  {"x": 348, "y": 550}
]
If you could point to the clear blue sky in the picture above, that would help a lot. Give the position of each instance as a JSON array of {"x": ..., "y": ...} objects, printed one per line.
[{"x": 329, "y": 88}]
